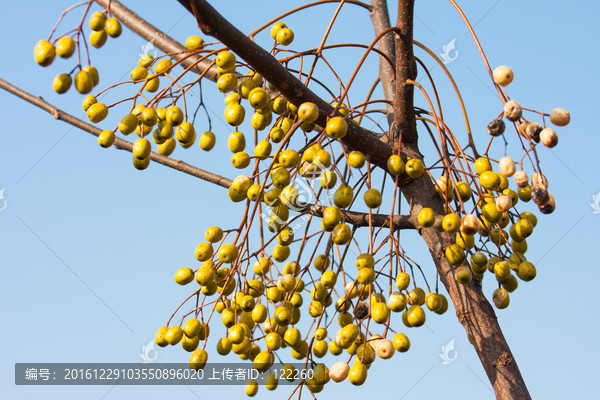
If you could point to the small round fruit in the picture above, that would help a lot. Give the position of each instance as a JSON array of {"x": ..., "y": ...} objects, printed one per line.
[
  {"x": 482, "y": 164},
  {"x": 507, "y": 166},
  {"x": 489, "y": 180},
  {"x": 526, "y": 271},
  {"x": 339, "y": 371},
  {"x": 496, "y": 127},
  {"x": 44, "y": 53},
  {"x": 285, "y": 36},
  {"x": 357, "y": 375},
  {"x": 228, "y": 253},
  {"x": 512, "y": 110},
  {"x": 174, "y": 335},
  {"x": 501, "y": 298},
  {"x": 97, "y": 21},
  {"x": 413, "y": 168},
  {"x": 395, "y": 165},
  {"x": 213, "y": 234},
  {"x": 138, "y": 74},
  {"x": 106, "y": 138},
  {"x": 162, "y": 65},
  {"x": 97, "y": 112},
  {"x": 343, "y": 196},
  {"x": 83, "y": 82},
  {"x": 451, "y": 223},
  {"x": 61, "y": 83},
  {"x": 194, "y": 42},
  {"x": 402, "y": 281},
  {"x": 113, "y": 27},
  {"x": 401, "y": 342},
  {"x": 308, "y": 112},
  {"x": 549, "y": 137},
  {"x": 336, "y": 127},
  {"x": 93, "y": 73},
  {"x": 225, "y": 59},
  {"x": 372, "y": 198},
  {"x": 234, "y": 114},
  {"x": 65, "y": 47},
  {"x": 503, "y": 75},
  {"x": 426, "y": 217},
  {"x": 356, "y": 159},
  {"x": 463, "y": 274},
  {"x": 560, "y": 117},
  {"x": 98, "y": 38}
]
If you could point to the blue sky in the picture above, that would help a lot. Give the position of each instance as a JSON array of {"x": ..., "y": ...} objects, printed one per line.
[{"x": 89, "y": 245}]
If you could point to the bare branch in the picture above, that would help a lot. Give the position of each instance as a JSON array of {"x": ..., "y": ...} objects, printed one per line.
[
  {"x": 212, "y": 23},
  {"x": 160, "y": 39},
  {"x": 119, "y": 143}
]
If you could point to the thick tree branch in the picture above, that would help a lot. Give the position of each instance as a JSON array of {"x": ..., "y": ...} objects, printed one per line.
[
  {"x": 381, "y": 21},
  {"x": 160, "y": 39},
  {"x": 473, "y": 309},
  {"x": 362, "y": 219},
  {"x": 120, "y": 144},
  {"x": 212, "y": 23},
  {"x": 404, "y": 125}
]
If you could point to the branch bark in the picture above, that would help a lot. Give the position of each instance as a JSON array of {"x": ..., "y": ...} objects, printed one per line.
[
  {"x": 381, "y": 21},
  {"x": 212, "y": 23},
  {"x": 404, "y": 128},
  {"x": 160, "y": 39}
]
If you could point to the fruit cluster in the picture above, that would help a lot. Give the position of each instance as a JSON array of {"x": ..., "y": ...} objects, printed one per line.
[{"x": 304, "y": 172}]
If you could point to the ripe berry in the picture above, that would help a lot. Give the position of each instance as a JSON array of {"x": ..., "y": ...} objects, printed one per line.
[
  {"x": 285, "y": 36},
  {"x": 61, "y": 83},
  {"x": 97, "y": 112},
  {"x": 113, "y": 27},
  {"x": 83, "y": 82},
  {"x": 44, "y": 53},
  {"x": 97, "y": 21},
  {"x": 98, "y": 38},
  {"x": 106, "y": 138},
  {"x": 395, "y": 165},
  {"x": 65, "y": 47},
  {"x": 503, "y": 75},
  {"x": 194, "y": 42},
  {"x": 336, "y": 127}
]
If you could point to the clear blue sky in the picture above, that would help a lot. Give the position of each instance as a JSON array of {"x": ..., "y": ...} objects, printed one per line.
[{"x": 89, "y": 245}]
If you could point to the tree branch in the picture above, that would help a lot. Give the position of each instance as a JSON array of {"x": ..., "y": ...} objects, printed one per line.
[
  {"x": 120, "y": 144},
  {"x": 160, "y": 39},
  {"x": 362, "y": 219},
  {"x": 381, "y": 21},
  {"x": 404, "y": 125},
  {"x": 212, "y": 23}
]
